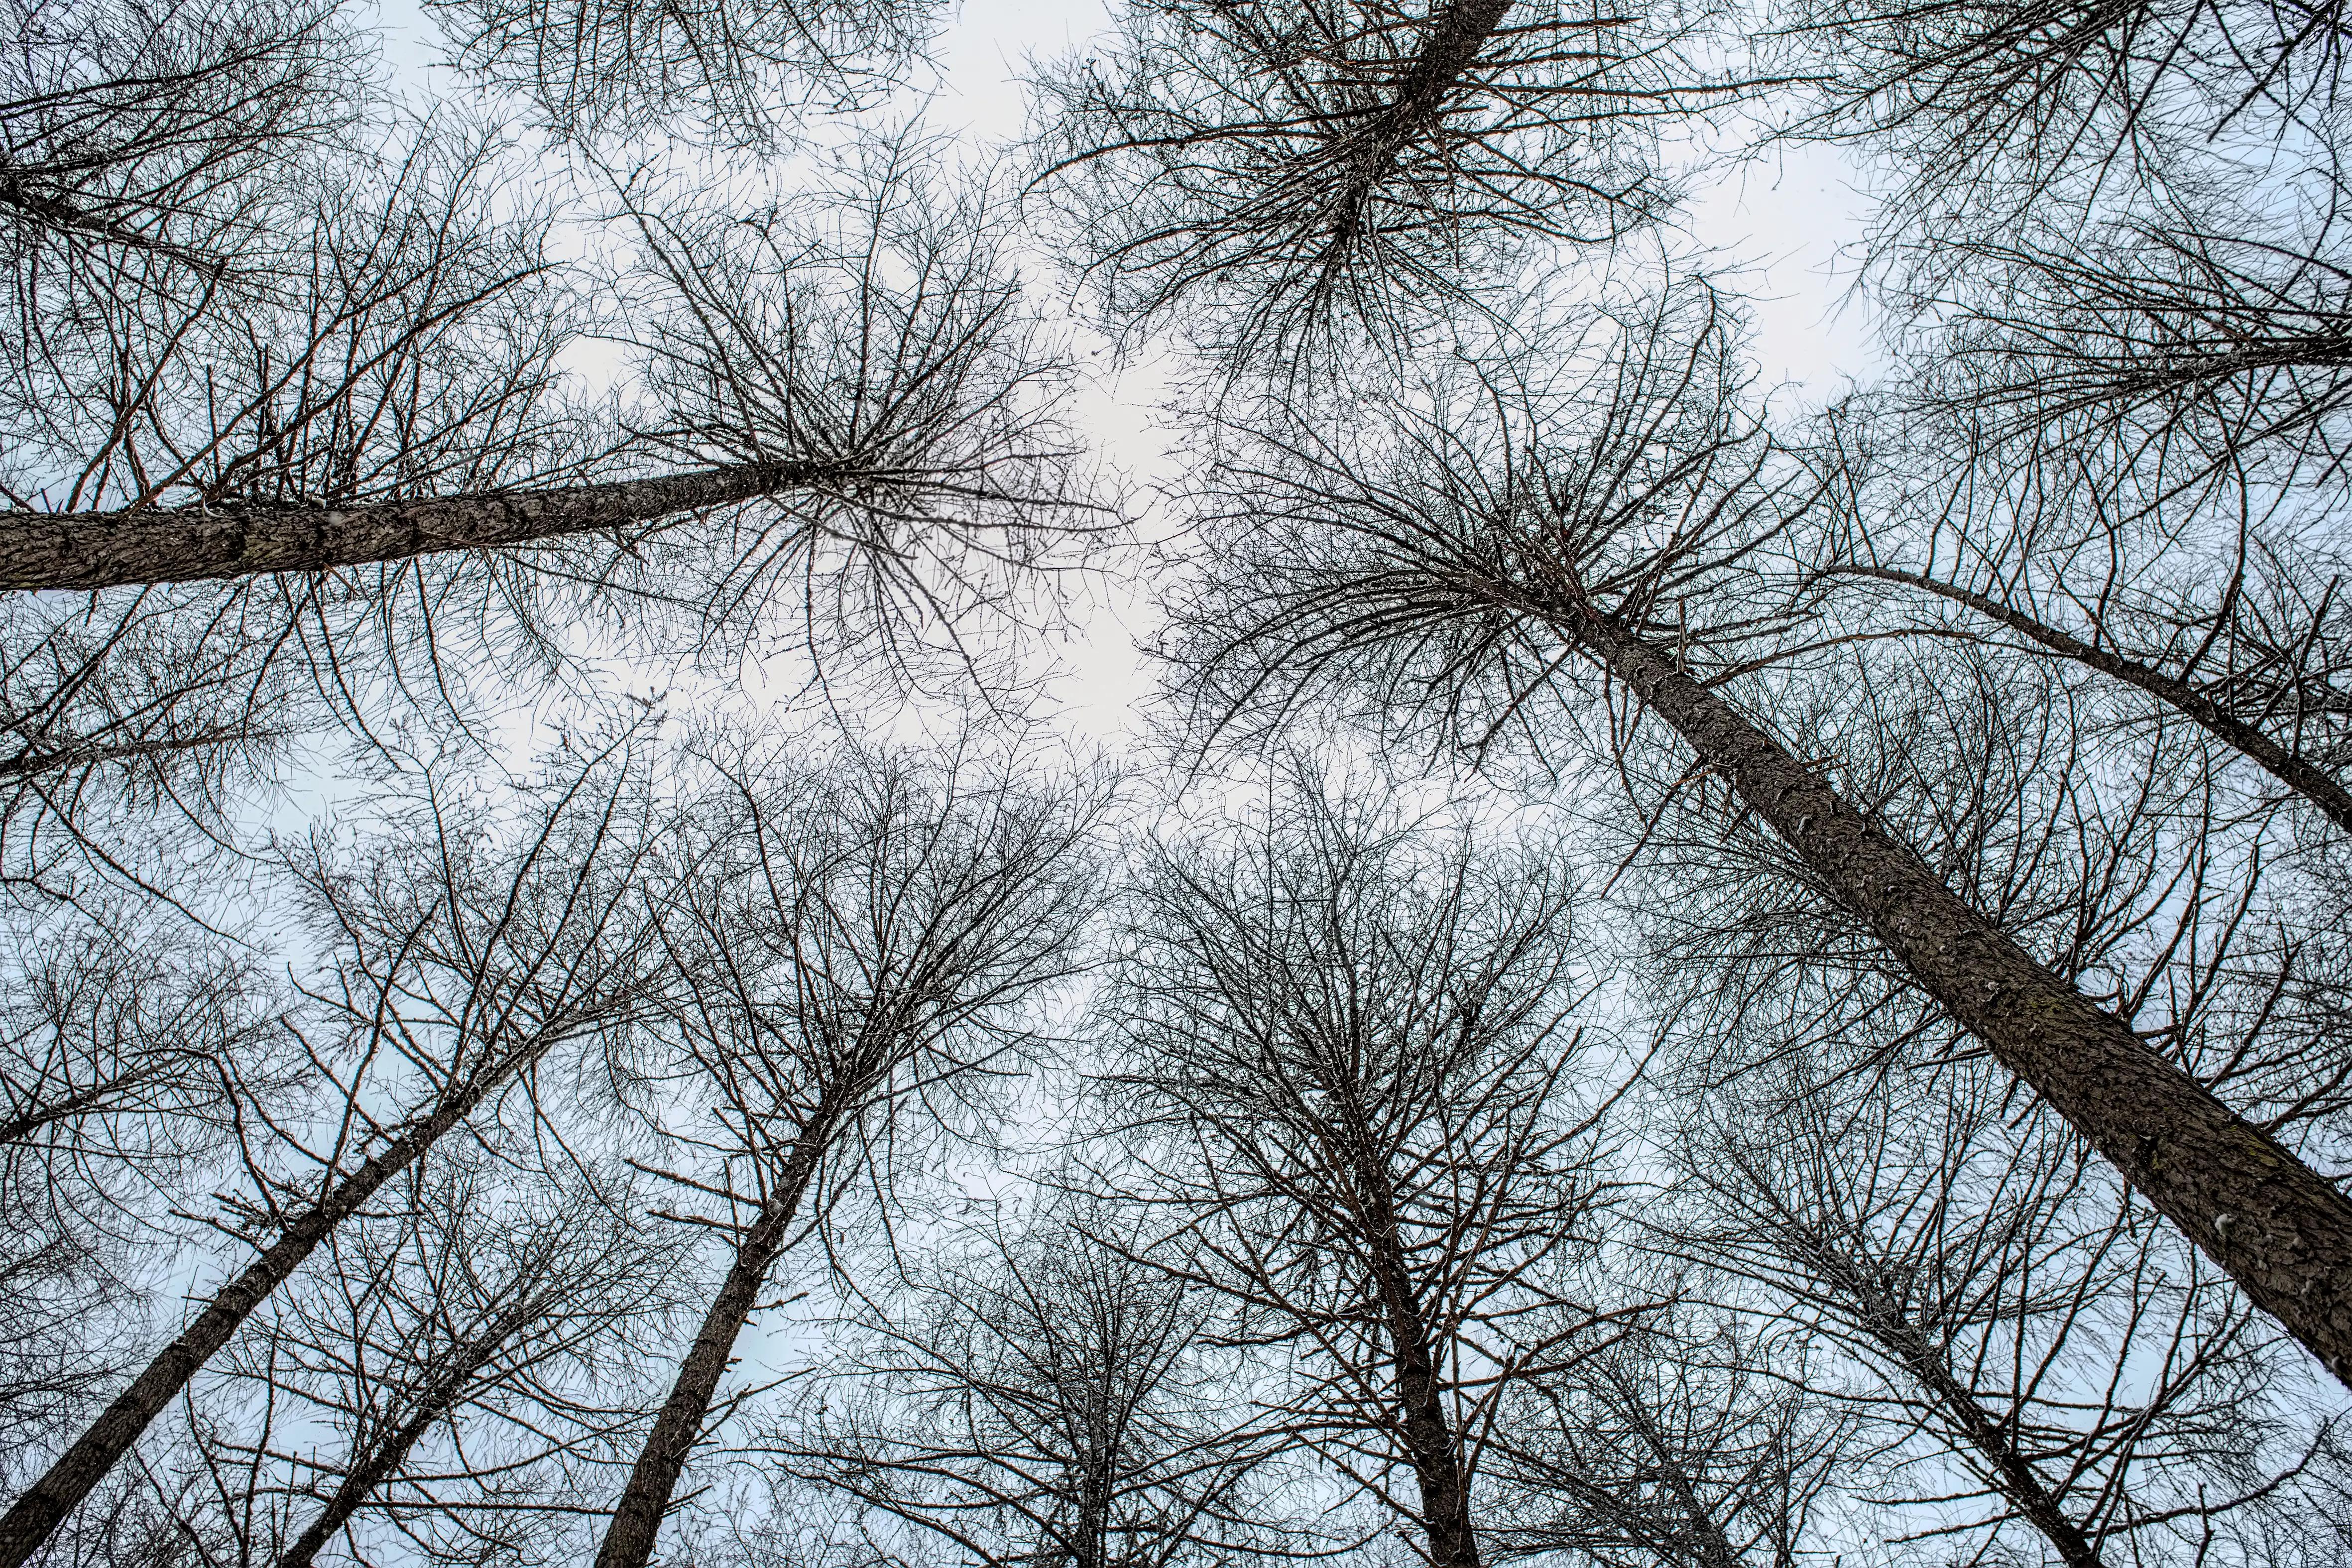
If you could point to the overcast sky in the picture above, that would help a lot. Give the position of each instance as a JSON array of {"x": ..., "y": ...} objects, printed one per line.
[{"x": 1783, "y": 226}]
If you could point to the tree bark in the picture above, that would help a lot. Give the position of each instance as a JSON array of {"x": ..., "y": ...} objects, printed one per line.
[
  {"x": 1420, "y": 1406},
  {"x": 1456, "y": 34},
  {"x": 636, "y": 1521},
  {"x": 2013, "y": 1474},
  {"x": 2314, "y": 784},
  {"x": 105, "y": 550},
  {"x": 46, "y": 1502},
  {"x": 1428, "y": 1435},
  {"x": 2280, "y": 1230}
]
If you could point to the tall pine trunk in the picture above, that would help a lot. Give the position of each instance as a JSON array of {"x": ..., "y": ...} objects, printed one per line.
[
  {"x": 83, "y": 550},
  {"x": 371, "y": 1470},
  {"x": 2280, "y": 1230},
  {"x": 1429, "y": 1436},
  {"x": 636, "y": 1519},
  {"x": 2314, "y": 784}
]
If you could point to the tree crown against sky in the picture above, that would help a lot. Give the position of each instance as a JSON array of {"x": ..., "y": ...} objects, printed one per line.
[{"x": 851, "y": 784}]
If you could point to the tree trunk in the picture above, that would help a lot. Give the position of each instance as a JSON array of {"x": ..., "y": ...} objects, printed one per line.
[
  {"x": 1429, "y": 1437},
  {"x": 2314, "y": 784},
  {"x": 2013, "y": 1474},
  {"x": 106, "y": 550},
  {"x": 1456, "y": 35},
  {"x": 1421, "y": 1405},
  {"x": 2280, "y": 1230},
  {"x": 369, "y": 1471},
  {"x": 48, "y": 1502},
  {"x": 636, "y": 1521}
]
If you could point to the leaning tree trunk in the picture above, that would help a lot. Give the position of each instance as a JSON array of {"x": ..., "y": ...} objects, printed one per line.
[
  {"x": 1456, "y": 34},
  {"x": 83, "y": 550},
  {"x": 636, "y": 1521},
  {"x": 45, "y": 1505},
  {"x": 1996, "y": 1441},
  {"x": 2314, "y": 784},
  {"x": 2279, "y": 1229},
  {"x": 1429, "y": 1436},
  {"x": 369, "y": 1471}
]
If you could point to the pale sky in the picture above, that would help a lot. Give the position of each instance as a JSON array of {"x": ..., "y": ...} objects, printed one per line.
[{"x": 1784, "y": 224}]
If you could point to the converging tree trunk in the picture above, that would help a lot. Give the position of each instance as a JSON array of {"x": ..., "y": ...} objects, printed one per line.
[
  {"x": 2278, "y": 1228},
  {"x": 48, "y": 1502},
  {"x": 440, "y": 978},
  {"x": 852, "y": 937},
  {"x": 2314, "y": 784},
  {"x": 1429, "y": 1436},
  {"x": 636, "y": 1519},
  {"x": 380, "y": 1463},
  {"x": 1360, "y": 1049},
  {"x": 87, "y": 550}
]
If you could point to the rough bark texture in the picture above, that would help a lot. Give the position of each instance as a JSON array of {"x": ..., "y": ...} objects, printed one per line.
[
  {"x": 2280, "y": 1230},
  {"x": 636, "y": 1521},
  {"x": 49, "y": 1501},
  {"x": 1456, "y": 35},
  {"x": 2313, "y": 784},
  {"x": 104, "y": 550},
  {"x": 1428, "y": 1436}
]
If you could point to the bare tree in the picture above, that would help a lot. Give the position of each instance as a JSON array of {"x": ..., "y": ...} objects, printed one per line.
[
  {"x": 1695, "y": 1440},
  {"x": 872, "y": 366},
  {"x": 857, "y": 941},
  {"x": 885, "y": 410},
  {"x": 2118, "y": 452},
  {"x": 732, "y": 74},
  {"x": 1034, "y": 1396},
  {"x": 1466, "y": 565},
  {"x": 1995, "y": 115},
  {"x": 2069, "y": 1370},
  {"x": 462, "y": 1350},
  {"x": 125, "y": 1046},
  {"x": 1352, "y": 1063},
  {"x": 139, "y": 143},
  {"x": 1280, "y": 178},
  {"x": 460, "y": 956}
]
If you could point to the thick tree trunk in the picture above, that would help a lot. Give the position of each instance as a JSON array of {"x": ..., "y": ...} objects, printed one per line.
[
  {"x": 83, "y": 550},
  {"x": 2314, "y": 784},
  {"x": 636, "y": 1521},
  {"x": 1429, "y": 1438},
  {"x": 1456, "y": 35},
  {"x": 44, "y": 1504},
  {"x": 2282, "y": 1233}
]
